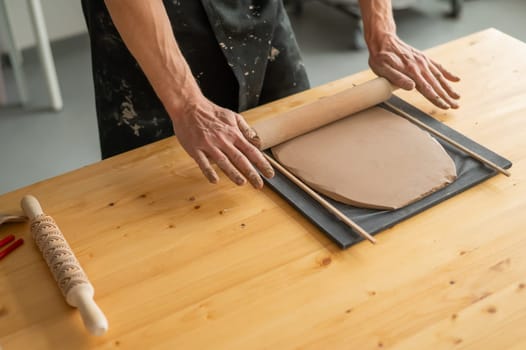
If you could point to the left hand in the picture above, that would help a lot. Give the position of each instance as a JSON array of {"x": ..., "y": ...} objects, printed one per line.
[{"x": 407, "y": 68}]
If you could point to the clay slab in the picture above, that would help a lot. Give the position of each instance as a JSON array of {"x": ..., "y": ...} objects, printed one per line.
[{"x": 372, "y": 159}]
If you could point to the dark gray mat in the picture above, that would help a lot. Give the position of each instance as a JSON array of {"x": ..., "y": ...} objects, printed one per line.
[{"x": 470, "y": 173}]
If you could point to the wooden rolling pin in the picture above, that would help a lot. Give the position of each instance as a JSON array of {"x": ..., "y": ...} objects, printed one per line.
[
  {"x": 66, "y": 269},
  {"x": 285, "y": 126}
]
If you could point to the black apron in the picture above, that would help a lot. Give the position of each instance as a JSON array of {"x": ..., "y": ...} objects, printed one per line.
[{"x": 242, "y": 53}]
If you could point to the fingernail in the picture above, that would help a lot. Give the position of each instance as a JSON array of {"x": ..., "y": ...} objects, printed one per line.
[
  {"x": 212, "y": 177},
  {"x": 409, "y": 85},
  {"x": 256, "y": 182},
  {"x": 240, "y": 181},
  {"x": 442, "y": 103},
  {"x": 268, "y": 172},
  {"x": 450, "y": 103},
  {"x": 255, "y": 140}
]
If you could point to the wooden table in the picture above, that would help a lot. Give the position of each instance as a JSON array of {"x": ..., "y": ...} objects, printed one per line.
[{"x": 181, "y": 264}]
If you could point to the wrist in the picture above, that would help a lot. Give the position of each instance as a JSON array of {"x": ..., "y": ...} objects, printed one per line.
[
  {"x": 378, "y": 21},
  {"x": 179, "y": 100},
  {"x": 181, "y": 104},
  {"x": 378, "y": 40}
]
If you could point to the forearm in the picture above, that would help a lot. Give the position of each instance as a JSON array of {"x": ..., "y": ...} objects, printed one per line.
[
  {"x": 145, "y": 29},
  {"x": 378, "y": 21}
]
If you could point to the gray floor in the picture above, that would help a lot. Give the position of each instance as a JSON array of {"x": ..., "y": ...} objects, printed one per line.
[{"x": 36, "y": 144}]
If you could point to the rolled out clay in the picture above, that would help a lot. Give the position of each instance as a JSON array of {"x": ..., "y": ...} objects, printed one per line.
[{"x": 371, "y": 159}]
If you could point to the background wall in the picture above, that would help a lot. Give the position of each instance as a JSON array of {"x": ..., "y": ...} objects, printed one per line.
[{"x": 64, "y": 19}]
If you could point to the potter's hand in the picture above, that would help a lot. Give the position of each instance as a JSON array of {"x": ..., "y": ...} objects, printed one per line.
[
  {"x": 210, "y": 133},
  {"x": 407, "y": 68},
  {"x": 207, "y": 132}
]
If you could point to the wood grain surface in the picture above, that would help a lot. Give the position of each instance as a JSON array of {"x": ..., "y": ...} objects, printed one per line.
[{"x": 178, "y": 263}]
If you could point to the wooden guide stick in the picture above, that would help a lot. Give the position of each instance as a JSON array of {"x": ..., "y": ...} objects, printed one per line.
[
  {"x": 447, "y": 139},
  {"x": 332, "y": 209},
  {"x": 66, "y": 269}
]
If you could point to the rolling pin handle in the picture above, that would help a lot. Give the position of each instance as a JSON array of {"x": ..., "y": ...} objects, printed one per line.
[
  {"x": 81, "y": 297},
  {"x": 31, "y": 207}
]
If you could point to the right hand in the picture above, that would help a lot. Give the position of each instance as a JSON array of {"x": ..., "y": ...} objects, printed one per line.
[
  {"x": 212, "y": 134},
  {"x": 407, "y": 67}
]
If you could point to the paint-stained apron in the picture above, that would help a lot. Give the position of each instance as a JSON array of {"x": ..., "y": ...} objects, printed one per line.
[{"x": 242, "y": 53}]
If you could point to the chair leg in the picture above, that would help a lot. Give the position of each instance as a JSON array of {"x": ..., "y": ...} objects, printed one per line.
[
  {"x": 456, "y": 8},
  {"x": 3, "y": 94}
]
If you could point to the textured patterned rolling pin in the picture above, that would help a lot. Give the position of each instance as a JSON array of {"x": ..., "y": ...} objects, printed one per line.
[{"x": 64, "y": 266}]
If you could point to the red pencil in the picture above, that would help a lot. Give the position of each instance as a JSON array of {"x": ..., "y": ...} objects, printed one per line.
[
  {"x": 6, "y": 240},
  {"x": 12, "y": 247}
]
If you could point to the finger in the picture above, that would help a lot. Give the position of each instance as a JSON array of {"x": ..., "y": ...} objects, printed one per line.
[
  {"x": 246, "y": 130},
  {"x": 240, "y": 161},
  {"x": 226, "y": 166},
  {"x": 395, "y": 76},
  {"x": 251, "y": 150},
  {"x": 255, "y": 157},
  {"x": 437, "y": 87},
  {"x": 205, "y": 167},
  {"x": 418, "y": 72},
  {"x": 447, "y": 74},
  {"x": 249, "y": 133},
  {"x": 427, "y": 90},
  {"x": 443, "y": 82}
]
